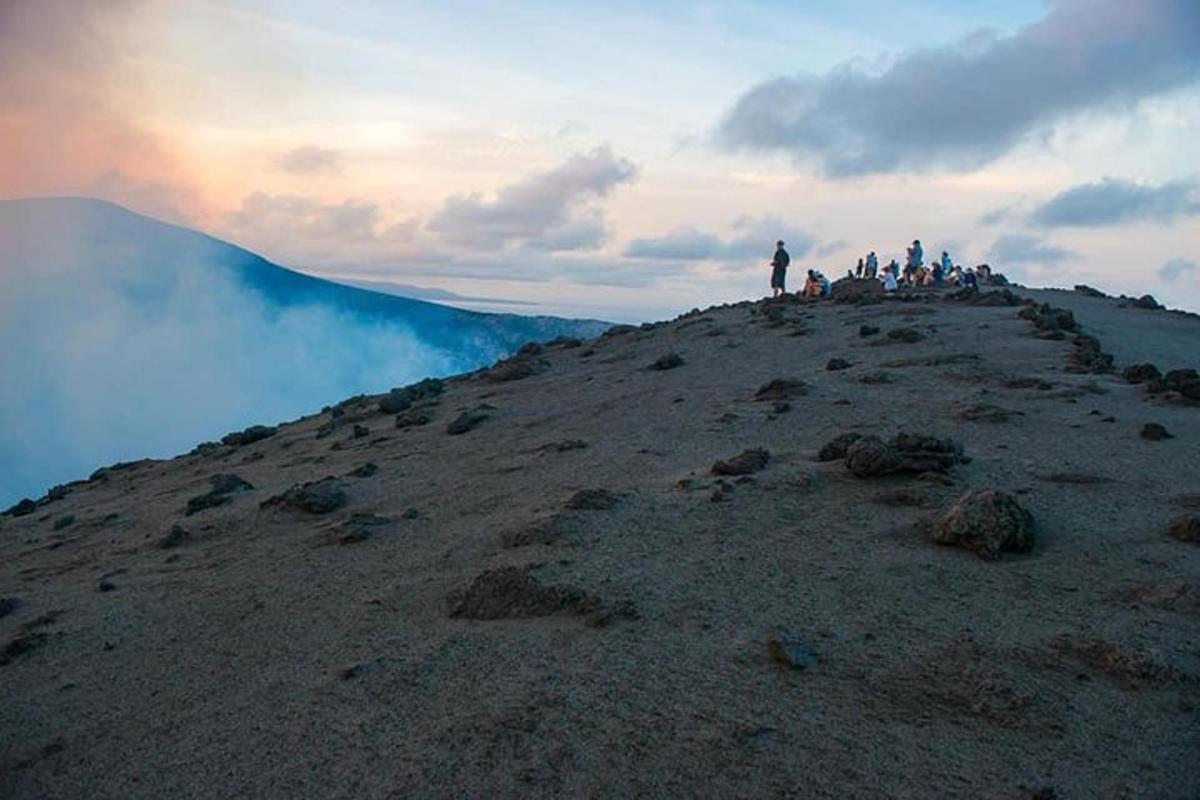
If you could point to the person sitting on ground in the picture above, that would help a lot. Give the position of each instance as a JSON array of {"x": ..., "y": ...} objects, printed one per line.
[
  {"x": 935, "y": 275},
  {"x": 889, "y": 278},
  {"x": 983, "y": 273},
  {"x": 779, "y": 265},
  {"x": 872, "y": 264},
  {"x": 968, "y": 279}
]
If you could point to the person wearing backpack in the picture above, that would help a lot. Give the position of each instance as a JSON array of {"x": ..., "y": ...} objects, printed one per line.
[{"x": 779, "y": 265}]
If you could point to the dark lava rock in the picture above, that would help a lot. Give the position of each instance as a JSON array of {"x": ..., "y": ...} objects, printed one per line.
[
  {"x": 1140, "y": 373},
  {"x": 975, "y": 297},
  {"x": 987, "y": 522},
  {"x": 8, "y": 605},
  {"x": 791, "y": 651},
  {"x": 744, "y": 463},
  {"x": 365, "y": 471},
  {"x": 1088, "y": 291},
  {"x": 1147, "y": 301},
  {"x": 319, "y": 497},
  {"x": 908, "y": 335},
  {"x": 398, "y": 400},
  {"x": 1087, "y": 357},
  {"x": 465, "y": 421},
  {"x": 358, "y": 528},
  {"x": 64, "y": 521},
  {"x": 870, "y": 456},
  {"x": 564, "y": 446},
  {"x": 837, "y": 363},
  {"x": 255, "y": 433},
  {"x": 986, "y": 412},
  {"x": 21, "y": 509},
  {"x": 835, "y": 449},
  {"x": 514, "y": 369},
  {"x": 780, "y": 389},
  {"x": 21, "y": 645},
  {"x": 861, "y": 291},
  {"x": 105, "y": 585},
  {"x": 360, "y": 431},
  {"x": 1155, "y": 432},
  {"x": 512, "y": 593},
  {"x": 1185, "y": 528},
  {"x": 867, "y": 330},
  {"x": 1049, "y": 318},
  {"x": 1184, "y": 382},
  {"x": 413, "y": 417},
  {"x": 222, "y": 486},
  {"x": 593, "y": 500},
  {"x": 877, "y": 377},
  {"x": 177, "y": 536},
  {"x": 668, "y": 361}
]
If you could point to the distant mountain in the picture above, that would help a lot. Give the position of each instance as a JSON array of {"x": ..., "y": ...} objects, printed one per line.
[
  {"x": 430, "y": 293},
  {"x": 122, "y": 336}
]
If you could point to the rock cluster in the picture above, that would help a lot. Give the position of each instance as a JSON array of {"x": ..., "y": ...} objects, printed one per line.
[
  {"x": 870, "y": 456},
  {"x": 401, "y": 399}
]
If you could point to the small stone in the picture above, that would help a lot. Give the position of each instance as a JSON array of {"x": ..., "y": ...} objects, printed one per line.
[
  {"x": 365, "y": 471},
  {"x": 593, "y": 500},
  {"x": 780, "y": 389},
  {"x": 360, "y": 431},
  {"x": 1155, "y": 432},
  {"x": 106, "y": 585},
  {"x": 178, "y": 535},
  {"x": 868, "y": 330},
  {"x": 9, "y": 605},
  {"x": 835, "y": 364},
  {"x": 1185, "y": 529},
  {"x": 63, "y": 521},
  {"x": 464, "y": 422},
  {"x": 791, "y": 651},
  {"x": 668, "y": 361},
  {"x": 744, "y": 463},
  {"x": 907, "y": 335},
  {"x": 835, "y": 449}
]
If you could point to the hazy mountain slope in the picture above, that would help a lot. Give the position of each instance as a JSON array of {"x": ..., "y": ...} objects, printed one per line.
[
  {"x": 560, "y": 599},
  {"x": 121, "y": 336}
]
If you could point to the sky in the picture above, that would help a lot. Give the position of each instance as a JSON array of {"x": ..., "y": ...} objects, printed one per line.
[{"x": 626, "y": 160}]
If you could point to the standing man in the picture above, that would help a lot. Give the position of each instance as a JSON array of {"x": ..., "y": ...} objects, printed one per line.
[{"x": 779, "y": 265}]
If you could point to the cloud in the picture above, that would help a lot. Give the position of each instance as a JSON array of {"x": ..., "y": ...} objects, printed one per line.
[
  {"x": 552, "y": 210},
  {"x": 963, "y": 105},
  {"x": 1021, "y": 249},
  {"x": 1177, "y": 268},
  {"x": 1113, "y": 201},
  {"x": 755, "y": 238},
  {"x": 310, "y": 160},
  {"x": 291, "y": 220},
  {"x": 71, "y": 89}
]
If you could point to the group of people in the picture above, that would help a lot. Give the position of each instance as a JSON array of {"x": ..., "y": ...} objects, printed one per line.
[{"x": 942, "y": 272}]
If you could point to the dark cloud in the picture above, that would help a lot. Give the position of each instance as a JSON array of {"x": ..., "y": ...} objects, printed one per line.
[
  {"x": 1177, "y": 268},
  {"x": 552, "y": 210},
  {"x": 310, "y": 160},
  {"x": 1021, "y": 249},
  {"x": 1113, "y": 201},
  {"x": 964, "y": 105},
  {"x": 755, "y": 238}
]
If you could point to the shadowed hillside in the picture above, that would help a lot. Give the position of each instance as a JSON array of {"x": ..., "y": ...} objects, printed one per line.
[{"x": 919, "y": 546}]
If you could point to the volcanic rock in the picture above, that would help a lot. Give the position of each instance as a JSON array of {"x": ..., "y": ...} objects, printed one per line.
[
  {"x": 987, "y": 522},
  {"x": 744, "y": 463}
]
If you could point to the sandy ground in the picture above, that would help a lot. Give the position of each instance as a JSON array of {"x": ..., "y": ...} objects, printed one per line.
[{"x": 260, "y": 657}]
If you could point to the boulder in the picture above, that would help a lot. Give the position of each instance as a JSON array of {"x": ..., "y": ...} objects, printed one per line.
[
  {"x": 223, "y": 486},
  {"x": 870, "y": 456},
  {"x": 906, "y": 335},
  {"x": 791, "y": 651},
  {"x": 987, "y": 522},
  {"x": 21, "y": 509},
  {"x": 400, "y": 399},
  {"x": 1147, "y": 301},
  {"x": 867, "y": 330},
  {"x": 1183, "y": 383}
]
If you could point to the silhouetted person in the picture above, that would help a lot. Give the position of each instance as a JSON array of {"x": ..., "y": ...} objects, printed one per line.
[
  {"x": 858, "y": 270},
  {"x": 872, "y": 265},
  {"x": 779, "y": 265}
]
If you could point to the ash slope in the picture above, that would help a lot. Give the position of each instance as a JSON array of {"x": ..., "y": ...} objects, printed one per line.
[{"x": 262, "y": 649}]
